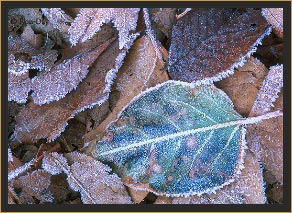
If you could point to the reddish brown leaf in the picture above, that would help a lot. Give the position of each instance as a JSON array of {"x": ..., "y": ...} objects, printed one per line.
[
  {"x": 243, "y": 86},
  {"x": 207, "y": 44}
]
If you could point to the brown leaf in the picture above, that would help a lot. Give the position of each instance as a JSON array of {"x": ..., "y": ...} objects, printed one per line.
[
  {"x": 269, "y": 91},
  {"x": 207, "y": 44},
  {"x": 265, "y": 140},
  {"x": 48, "y": 121},
  {"x": 164, "y": 18},
  {"x": 65, "y": 77},
  {"x": 275, "y": 17},
  {"x": 89, "y": 21},
  {"x": 246, "y": 189},
  {"x": 141, "y": 70},
  {"x": 35, "y": 184},
  {"x": 137, "y": 195},
  {"x": 89, "y": 177},
  {"x": 243, "y": 86}
]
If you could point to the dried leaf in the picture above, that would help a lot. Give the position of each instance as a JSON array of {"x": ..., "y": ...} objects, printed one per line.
[
  {"x": 64, "y": 77},
  {"x": 207, "y": 44},
  {"x": 142, "y": 68},
  {"x": 177, "y": 139},
  {"x": 243, "y": 86},
  {"x": 89, "y": 21},
  {"x": 275, "y": 17},
  {"x": 269, "y": 91},
  {"x": 89, "y": 177},
  {"x": 265, "y": 140},
  {"x": 248, "y": 188},
  {"x": 36, "y": 184}
]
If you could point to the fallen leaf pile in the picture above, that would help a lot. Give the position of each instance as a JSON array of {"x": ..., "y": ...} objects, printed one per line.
[{"x": 132, "y": 105}]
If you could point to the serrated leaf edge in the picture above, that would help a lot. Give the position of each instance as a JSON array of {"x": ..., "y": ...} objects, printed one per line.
[{"x": 240, "y": 62}]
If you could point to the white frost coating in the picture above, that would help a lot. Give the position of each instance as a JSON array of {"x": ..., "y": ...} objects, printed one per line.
[
  {"x": 268, "y": 93},
  {"x": 245, "y": 121},
  {"x": 150, "y": 33},
  {"x": 237, "y": 64},
  {"x": 18, "y": 67},
  {"x": 109, "y": 80},
  {"x": 15, "y": 173},
  {"x": 10, "y": 156}
]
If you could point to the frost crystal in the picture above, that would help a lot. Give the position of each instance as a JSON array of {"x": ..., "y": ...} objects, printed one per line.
[{"x": 89, "y": 21}]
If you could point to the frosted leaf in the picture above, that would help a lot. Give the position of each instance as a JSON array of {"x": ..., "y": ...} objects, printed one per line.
[
  {"x": 248, "y": 188},
  {"x": 266, "y": 141},
  {"x": 49, "y": 120},
  {"x": 58, "y": 18},
  {"x": 65, "y": 77},
  {"x": 275, "y": 17},
  {"x": 36, "y": 184},
  {"x": 19, "y": 170},
  {"x": 177, "y": 139},
  {"x": 55, "y": 163},
  {"x": 269, "y": 91},
  {"x": 142, "y": 68},
  {"x": 208, "y": 43},
  {"x": 91, "y": 179},
  {"x": 28, "y": 56},
  {"x": 89, "y": 21}
]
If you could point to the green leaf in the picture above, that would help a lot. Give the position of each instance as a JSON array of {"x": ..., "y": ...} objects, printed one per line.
[{"x": 176, "y": 139}]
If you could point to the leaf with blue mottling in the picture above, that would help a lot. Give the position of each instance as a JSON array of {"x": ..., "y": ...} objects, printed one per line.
[{"x": 176, "y": 139}]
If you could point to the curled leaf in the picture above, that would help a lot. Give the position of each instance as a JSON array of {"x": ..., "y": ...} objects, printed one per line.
[{"x": 207, "y": 43}]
